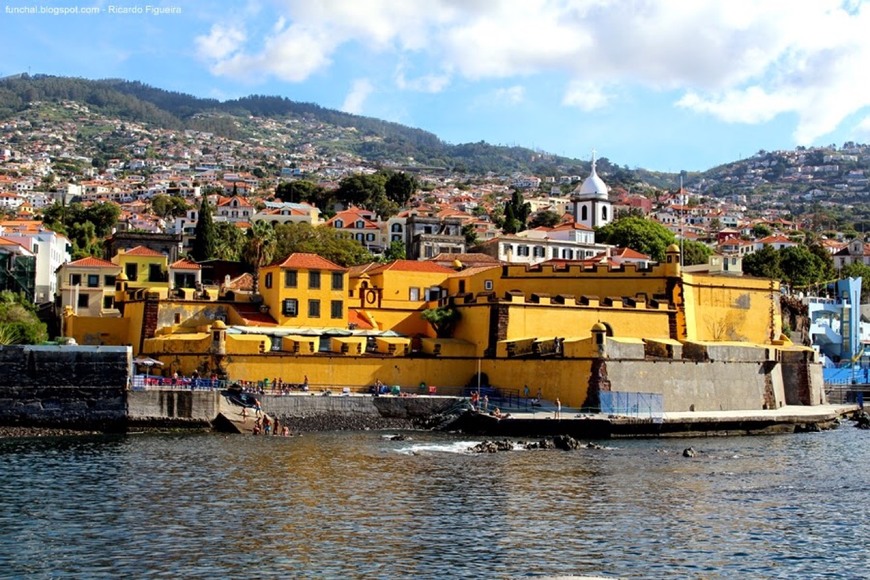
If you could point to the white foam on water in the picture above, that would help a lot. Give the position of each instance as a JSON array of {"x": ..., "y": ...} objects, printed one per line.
[{"x": 447, "y": 447}]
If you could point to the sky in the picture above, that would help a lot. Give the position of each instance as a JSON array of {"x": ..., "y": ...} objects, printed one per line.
[{"x": 666, "y": 85}]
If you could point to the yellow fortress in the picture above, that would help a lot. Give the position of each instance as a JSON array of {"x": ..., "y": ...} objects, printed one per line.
[{"x": 700, "y": 340}]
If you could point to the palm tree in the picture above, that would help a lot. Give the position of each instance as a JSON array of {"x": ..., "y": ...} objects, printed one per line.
[{"x": 259, "y": 249}]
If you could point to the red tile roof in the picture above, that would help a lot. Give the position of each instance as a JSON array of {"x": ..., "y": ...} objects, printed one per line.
[
  {"x": 91, "y": 262},
  {"x": 252, "y": 315},
  {"x": 143, "y": 251},
  {"x": 354, "y": 317},
  {"x": 303, "y": 261},
  {"x": 185, "y": 265}
]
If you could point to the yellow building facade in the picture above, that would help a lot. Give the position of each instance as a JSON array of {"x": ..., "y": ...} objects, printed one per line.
[{"x": 305, "y": 290}]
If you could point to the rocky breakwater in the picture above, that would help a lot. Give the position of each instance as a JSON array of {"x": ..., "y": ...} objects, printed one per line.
[
  {"x": 563, "y": 442},
  {"x": 63, "y": 388}
]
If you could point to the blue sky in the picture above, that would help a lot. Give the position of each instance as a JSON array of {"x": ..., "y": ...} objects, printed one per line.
[{"x": 665, "y": 85}]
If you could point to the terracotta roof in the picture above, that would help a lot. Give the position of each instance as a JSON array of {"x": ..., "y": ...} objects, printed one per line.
[
  {"x": 412, "y": 266},
  {"x": 185, "y": 265},
  {"x": 245, "y": 282},
  {"x": 361, "y": 269},
  {"x": 303, "y": 261},
  {"x": 252, "y": 316},
  {"x": 91, "y": 262},
  {"x": 143, "y": 251},
  {"x": 354, "y": 317}
]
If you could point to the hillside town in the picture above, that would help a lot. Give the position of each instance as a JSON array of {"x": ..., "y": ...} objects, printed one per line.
[{"x": 54, "y": 156}]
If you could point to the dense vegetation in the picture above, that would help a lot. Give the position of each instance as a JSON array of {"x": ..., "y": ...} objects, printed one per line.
[{"x": 377, "y": 140}]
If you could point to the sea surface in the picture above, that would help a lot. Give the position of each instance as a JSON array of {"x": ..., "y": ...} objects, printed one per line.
[{"x": 354, "y": 505}]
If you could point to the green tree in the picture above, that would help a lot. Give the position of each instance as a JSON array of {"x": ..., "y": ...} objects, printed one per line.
[
  {"x": 801, "y": 267},
  {"x": 765, "y": 263},
  {"x": 695, "y": 253},
  {"x": 300, "y": 190},
  {"x": 443, "y": 319},
  {"x": 259, "y": 249},
  {"x": 642, "y": 235},
  {"x": 546, "y": 219},
  {"x": 761, "y": 231},
  {"x": 516, "y": 213},
  {"x": 204, "y": 240},
  {"x": 229, "y": 241},
  {"x": 470, "y": 234},
  {"x": 168, "y": 206},
  {"x": 361, "y": 190},
  {"x": 399, "y": 187},
  {"x": 396, "y": 251},
  {"x": 327, "y": 242},
  {"x": 18, "y": 321},
  {"x": 859, "y": 270}
]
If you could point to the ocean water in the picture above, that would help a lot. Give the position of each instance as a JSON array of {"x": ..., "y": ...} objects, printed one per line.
[{"x": 353, "y": 505}]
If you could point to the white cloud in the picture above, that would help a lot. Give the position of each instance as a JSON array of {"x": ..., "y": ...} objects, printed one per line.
[
  {"x": 511, "y": 95},
  {"x": 220, "y": 42},
  {"x": 743, "y": 61},
  {"x": 585, "y": 95},
  {"x": 355, "y": 99}
]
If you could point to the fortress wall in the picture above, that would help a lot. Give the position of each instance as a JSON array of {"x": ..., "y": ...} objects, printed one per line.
[
  {"x": 708, "y": 386},
  {"x": 71, "y": 386}
]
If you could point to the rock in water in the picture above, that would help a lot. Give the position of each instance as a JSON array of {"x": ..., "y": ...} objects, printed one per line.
[
  {"x": 566, "y": 443},
  {"x": 862, "y": 420},
  {"x": 492, "y": 446},
  {"x": 689, "y": 452}
]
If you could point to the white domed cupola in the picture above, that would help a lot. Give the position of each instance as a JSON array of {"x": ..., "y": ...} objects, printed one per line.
[
  {"x": 591, "y": 207},
  {"x": 593, "y": 186}
]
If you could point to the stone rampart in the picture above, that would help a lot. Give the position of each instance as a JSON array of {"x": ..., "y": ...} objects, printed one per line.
[{"x": 81, "y": 387}]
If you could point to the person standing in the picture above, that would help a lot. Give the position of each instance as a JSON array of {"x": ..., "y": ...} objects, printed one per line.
[{"x": 558, "y": 412}]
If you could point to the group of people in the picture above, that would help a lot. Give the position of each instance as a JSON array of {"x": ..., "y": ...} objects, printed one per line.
[
  {"x": 266, "y": 426},
  {"x": 276, "y": 386}
]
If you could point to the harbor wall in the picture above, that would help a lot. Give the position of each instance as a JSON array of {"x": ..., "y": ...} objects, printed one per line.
[{"x": 64, "y": 386}]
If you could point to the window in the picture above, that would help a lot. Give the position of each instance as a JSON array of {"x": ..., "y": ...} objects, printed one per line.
[
  {"x": 108, "y": 302},
  {"x": 433, "y": 293},
  {"x": 584, "y": 213},
  {"x": 539, "y": 252},
  {"x": 314, "y": 279},
  {"x": 604, "y": 213},
  {"x": 487, "y": 285},
  {"x": 314, "y": 309},
  {"x": 132, "y": 272},
  {"x": 414, "y": 294},
  {"x": 109, "y": 281},
  {"x": 290, "y": 278},
  {"x": 290, "y": 307},
  {"x": 370, "y": 237},
  {"x": 337, "y": 281},
  {"x": 396, "y": 228},
  {"x": 359, "y": 237},
  {"x": 75, "y": 279},
  {"x": 338, "y": 224},
  {"x": 93, "y": 280},
  {"x": 154, "y": 273},
  {"x": 359, "y": 224},
  {"x": 336, "y": 309},
  {"x": 268, "y": 280},
  {"x": 567, "y": 254},
  {"x": 522, "y": 250},
  {"x": 396, "y": 238},
  {"x": 83, "y": 301}
]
